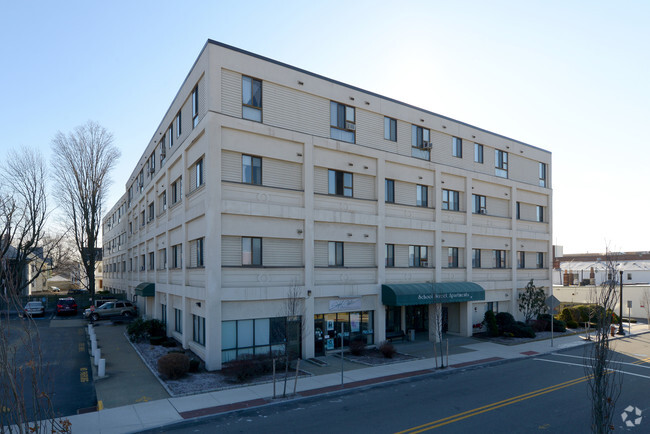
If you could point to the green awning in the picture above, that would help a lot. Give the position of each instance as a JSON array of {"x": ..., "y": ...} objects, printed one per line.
[
  {"x": 407, "y": 294},
  {"x": 145, "y": 289}
]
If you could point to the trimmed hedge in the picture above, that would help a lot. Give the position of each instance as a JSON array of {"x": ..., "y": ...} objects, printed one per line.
[
  {"x": 491, "y": 323},
  {"x": 173, "y": 365}
]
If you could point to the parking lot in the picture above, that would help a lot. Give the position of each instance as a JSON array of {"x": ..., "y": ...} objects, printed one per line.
[{"x": 67, "y": 377}]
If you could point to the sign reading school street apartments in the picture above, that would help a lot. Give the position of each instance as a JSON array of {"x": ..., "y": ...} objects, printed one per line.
[{"x": 407, "y": 294}]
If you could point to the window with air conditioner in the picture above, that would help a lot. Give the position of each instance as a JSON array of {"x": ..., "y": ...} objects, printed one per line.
[
  {"x": 342, "y": 122},
  {"x": 479, "y": 204},
  {"x": 420, "y": 142}
]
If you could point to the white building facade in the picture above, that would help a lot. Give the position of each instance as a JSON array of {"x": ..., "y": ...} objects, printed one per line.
[{"x": 267, "y": 186}]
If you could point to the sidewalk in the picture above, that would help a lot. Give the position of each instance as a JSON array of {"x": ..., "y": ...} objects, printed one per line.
[{"x": 133, "y": 399}]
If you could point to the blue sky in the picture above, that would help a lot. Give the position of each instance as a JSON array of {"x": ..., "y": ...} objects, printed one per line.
[{"x": 570, "y": 77}]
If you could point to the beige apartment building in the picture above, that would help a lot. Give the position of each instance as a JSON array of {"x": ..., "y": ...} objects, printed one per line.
[{"x": 266, "y": 184}]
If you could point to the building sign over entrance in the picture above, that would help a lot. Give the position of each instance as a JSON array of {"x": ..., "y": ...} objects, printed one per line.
[
  {"x": 409, "y": 294},
  {"x": 343, "y": 304}
]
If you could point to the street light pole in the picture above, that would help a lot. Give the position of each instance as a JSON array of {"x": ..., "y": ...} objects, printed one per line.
[{"x": 620, "y": 308}]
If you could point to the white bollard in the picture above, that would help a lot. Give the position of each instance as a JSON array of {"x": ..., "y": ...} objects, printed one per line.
[
  {"x": 93, "y": 347},
  {"x": 98, "y": 355},
  {"x": 101, "y": 368},
  {"x": 90, "y": 329}
]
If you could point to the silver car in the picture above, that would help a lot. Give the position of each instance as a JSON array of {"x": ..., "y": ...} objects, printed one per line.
[
  {"x": 34, "y": 308},
  {"x": 112, "y": 308}
]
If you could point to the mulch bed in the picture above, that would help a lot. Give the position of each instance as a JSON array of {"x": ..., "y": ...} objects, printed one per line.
[{"x": 374, "y": 357}]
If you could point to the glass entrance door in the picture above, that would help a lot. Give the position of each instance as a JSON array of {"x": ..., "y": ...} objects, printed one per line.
[{"x": 417, "y": 317}]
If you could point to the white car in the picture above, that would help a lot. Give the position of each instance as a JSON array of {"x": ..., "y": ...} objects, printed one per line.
[
  {"x": 34, "y": 308},
  {"x": 56, "y": 289}
]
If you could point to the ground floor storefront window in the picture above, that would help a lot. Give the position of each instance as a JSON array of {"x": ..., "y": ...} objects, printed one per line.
[
  {"x": 355, "y": 325},
  {"x": 259, "y": 336}
]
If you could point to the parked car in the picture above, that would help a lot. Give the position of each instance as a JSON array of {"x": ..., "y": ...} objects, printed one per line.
[
  {"x": 56, "y": 289},
  {"x": 112, "y": 308},
  {"x": 66, "y": 305},
  {"x": 34, "y": 308},
  {"x": 77, "y": 291}
]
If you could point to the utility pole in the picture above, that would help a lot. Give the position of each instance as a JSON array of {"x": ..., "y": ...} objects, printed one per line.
[{"x": 620, "y": 308}]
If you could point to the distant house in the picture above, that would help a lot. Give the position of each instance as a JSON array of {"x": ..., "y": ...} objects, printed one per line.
[{"x": 583, "y": 269}]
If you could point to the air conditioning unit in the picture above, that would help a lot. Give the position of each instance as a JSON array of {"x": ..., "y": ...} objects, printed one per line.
[
  {"x": 425, "y": 145},
  {"x": 350, "y": 126},
  {"x": 482, "y": 211},
  {"x": 152, "y": 169}
]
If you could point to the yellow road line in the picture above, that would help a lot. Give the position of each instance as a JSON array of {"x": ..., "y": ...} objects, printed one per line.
[{"x": 493, "y": 406}]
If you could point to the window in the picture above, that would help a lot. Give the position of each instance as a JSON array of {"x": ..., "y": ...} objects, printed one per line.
[
  {"x": 457, "y": 147},
  {"x": 163, "y": 151},
  {"x": 342, "y": 123},
  {"x": 540, "y": 213},
  {"x": 390, "y": 129},
  {"x": 251, "y": 99},
  {"x": 130, "y": 264},
  {"x": 177, "y": 256},
  {"x": 197, "y": 175},
  {"x": 251, "y": 251},
  {"x": 499, "y": 259},
  {"x": 141, "y": 181},
  {"x": 196, "y": 253},
  {"x": 152, "y": 264},
  {"x": 198, "y": 329},
  {"x": 178, "y": 320},
  {"x": 142, "y": 264},
  {"x": 539, "y": 263},
  {"x": 162, "y": 259},
  {"x": 177, "y": 190},
  {"x": 542, "y": 174},
  {"x": 258, "y": 336},
  {"x": 179, "y": 124},
  {"x": 418, "y": 256},
  {"x": 629, "y": 275},
  {"x": 422, "y": 196},
  {"x": 163, "y": 201},
  {"x": 500, "y": 163},
  {"x": 518, "y": 210},
  {"x": 476, "y": 258},
  {"x": 478, "y": 153},
  {"x": 340, "y": 183},
  {"x": 251, "y": 170},
  {"x": 163, "y": 313},
  {"x": 142, "y": 218},
  {"x": 390, "y": 191},
  {"x": 152, "y": 163},
  {"x": 521, "y": 259},
  {"x": 450, "y": 200},
  {"x": 452, "y": 257},
  {"x": 335, "y": 254},
  {"x": 151, "y": 212},
  {"x": 479, "y": 204},
  {"x": 195, "y": 106},
  {"x": 390, "y": 255},
  {"x": 420, "y": 142}
]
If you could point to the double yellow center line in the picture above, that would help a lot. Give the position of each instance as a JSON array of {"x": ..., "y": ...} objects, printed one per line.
[{"x": 470, "y": 413}]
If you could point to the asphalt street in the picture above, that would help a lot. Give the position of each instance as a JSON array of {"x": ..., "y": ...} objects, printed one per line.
[
  {"x": 547, "y": 393},
  {"x": 67, "y": 374}
]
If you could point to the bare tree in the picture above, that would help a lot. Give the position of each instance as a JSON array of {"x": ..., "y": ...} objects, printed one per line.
[
  {"x": 294, "y": 307},
  {"x": 83, "y": 160},
  {"x": 645, "y": 299},
  {"x": 24, "y": 388},
  {"x": 437, "y": 320},
  {"x": 604, "y": 382}
]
